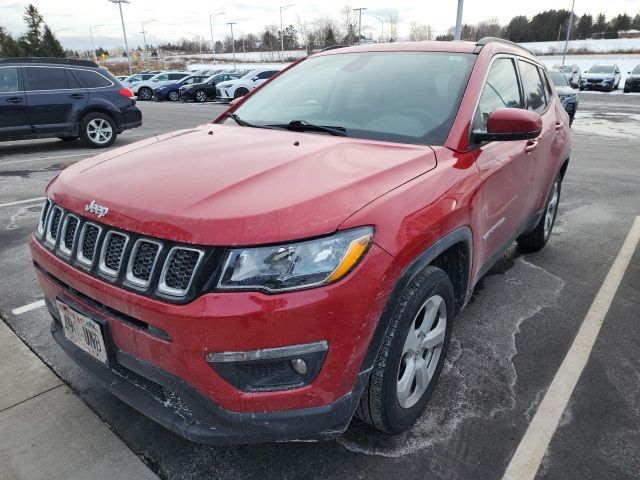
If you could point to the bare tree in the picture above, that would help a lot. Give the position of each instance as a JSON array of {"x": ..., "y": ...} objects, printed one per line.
[
  {"x": 393, "y": 20},
  {"x": 419, "y": 32}
]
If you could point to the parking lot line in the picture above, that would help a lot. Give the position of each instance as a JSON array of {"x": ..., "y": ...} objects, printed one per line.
[
  {"x": 526, "y": 460},
  {"x": 20, "y": 202},
  {"x": 42, "y": 159},
  {"x": 28, "y": 307}
]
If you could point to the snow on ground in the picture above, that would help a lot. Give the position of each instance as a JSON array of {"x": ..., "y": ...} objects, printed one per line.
[
  {"x": 626, "y": 62},
  {"x": 591, "y": 45}
]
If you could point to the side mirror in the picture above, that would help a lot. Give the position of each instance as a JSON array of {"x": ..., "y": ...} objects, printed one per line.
[
  {"x": 255, "y": 79},
  {"x": 508, "y": 124}
]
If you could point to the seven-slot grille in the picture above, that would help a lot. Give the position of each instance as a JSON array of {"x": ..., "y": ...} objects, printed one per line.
[{"x": 109, "y": 253}]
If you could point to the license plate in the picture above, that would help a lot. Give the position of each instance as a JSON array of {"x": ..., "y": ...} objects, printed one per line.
[{"x": 83, "y": 332}]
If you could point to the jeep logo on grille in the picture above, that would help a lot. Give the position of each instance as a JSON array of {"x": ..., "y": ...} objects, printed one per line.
[{"x": 99, "y": 210}]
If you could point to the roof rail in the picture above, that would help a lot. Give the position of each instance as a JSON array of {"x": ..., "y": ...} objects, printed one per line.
[
  {"x": 63, "y": 61},
  {"x": 486, "y": 40},
  {"x": 332, "y": 47}
]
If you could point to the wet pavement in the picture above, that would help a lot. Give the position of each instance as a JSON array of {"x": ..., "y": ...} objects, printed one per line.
[{"x": 506, "y": 346}]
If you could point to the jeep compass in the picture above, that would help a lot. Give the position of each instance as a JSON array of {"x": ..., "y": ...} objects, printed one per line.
[{"x": 304, "y": 260}]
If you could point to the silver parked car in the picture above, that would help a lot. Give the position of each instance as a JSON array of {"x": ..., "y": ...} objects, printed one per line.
[
  {"x": 572, "y": 73},
  {"x": 568, "y": 96}
]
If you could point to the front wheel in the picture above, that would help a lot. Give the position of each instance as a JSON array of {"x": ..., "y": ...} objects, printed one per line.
[
  {"x": 410, "y": 359},
  {"x": 539, "y": 236},
  {"x": 98, "y": 130},
  {"x": 174, "y": 96},
  {"x": 241, "y": 92}
]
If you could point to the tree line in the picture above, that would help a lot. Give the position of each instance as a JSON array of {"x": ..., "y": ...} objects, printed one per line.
[{"x": 37, "y": 41}]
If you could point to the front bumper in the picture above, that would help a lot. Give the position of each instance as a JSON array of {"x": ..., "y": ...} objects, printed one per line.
[
  {"x": 585, "y": 85},
  {"x": 632, "y": 86},
  {"x": 224, "y": 322}
]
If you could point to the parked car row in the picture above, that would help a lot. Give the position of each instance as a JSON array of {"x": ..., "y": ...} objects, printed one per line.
[
  {"x": 604, "y": 77},
  {"x": 198, "y": 86}
]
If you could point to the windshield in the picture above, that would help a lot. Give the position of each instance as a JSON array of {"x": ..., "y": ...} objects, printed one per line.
[
  {"x": 601, "y": 69},
  {"x": 636, "y": 71},
  {"x": 565, "y": 69},
  {"x": 558, "y": 78},
  {"x": 409, "y": 97}
]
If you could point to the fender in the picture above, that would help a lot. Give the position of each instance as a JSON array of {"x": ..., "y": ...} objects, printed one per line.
[{"x": 461, "y": 234}]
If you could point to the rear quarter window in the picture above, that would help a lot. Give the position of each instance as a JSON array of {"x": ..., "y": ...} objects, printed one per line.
[{"x": 90, "y": 79}]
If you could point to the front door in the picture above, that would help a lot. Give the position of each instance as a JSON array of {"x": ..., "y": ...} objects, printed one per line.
[
  {"x": 13, "y": 104},
  {"x": 505, "y": 167}
]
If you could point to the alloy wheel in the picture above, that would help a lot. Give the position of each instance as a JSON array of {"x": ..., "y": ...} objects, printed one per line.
[
  {"x": 99, "y": 131},
  {"x": 550, "y": 213},
  {"x": 421, "y": 351}
]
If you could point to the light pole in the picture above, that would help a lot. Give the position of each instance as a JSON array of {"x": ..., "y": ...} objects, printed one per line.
[
  {"x": 124, "y": 32},
  {"x": 359, "y": 10},
  {"x": 233, "y": 44},
  {"x": 91, "y": 33},
  {"x": 283, "y": 7},
  {"x": 144, "y": 36},
  {"x": 382, "y": 28},
  {"x": 459, "y": 20},
  {"x": 213, "y": 46},
  {"x": 566, "y": 43}
]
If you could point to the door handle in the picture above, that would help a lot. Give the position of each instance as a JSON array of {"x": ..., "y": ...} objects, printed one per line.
[
  {"x": 559, "y": 125},
  {"x": 76, "y": 96},
  {"x": 15, "y": 100},
  {"x": 531, "y": 146}
]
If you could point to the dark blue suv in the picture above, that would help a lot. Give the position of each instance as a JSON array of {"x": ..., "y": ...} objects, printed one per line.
[{"x": 64, "y": 98}]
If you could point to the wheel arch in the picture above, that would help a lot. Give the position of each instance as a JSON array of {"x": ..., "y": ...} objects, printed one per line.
[{"x": 101, "y": 109}]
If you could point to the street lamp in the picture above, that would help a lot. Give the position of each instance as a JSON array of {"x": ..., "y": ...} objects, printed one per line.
[
  {"x": 233, "y": 44},
  {"x": 91, "y": 33},
  {"x": 382, "y": 28},
  {"x": 284, "y": 7},
  {"x": 213, "y": 46},
  {"x": 144, "y": 36},
  {"x": 359, "y": 10},
  {"x": 124, "y": 32},
  {"x": 566, "y": 43},
  {"x": 458, "y": 30}
]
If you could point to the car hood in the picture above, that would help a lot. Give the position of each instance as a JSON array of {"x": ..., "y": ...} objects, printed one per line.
[
  {"x": 232, "y": 185},
  {"x": 563, "y": 91},
  {"x": 598, "y": 75}
]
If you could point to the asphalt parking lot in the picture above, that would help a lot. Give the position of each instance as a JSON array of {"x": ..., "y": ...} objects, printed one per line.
[{"x": 506, "y": 348}]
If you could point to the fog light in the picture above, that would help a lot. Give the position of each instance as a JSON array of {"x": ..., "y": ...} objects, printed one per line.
[{"x": 299, "y": 366}]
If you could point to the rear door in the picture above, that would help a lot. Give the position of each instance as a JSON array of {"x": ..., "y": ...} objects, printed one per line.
[
  {"x": 13, "y": 103},
  {"x": 538, "y": 98},
  {"x": 505, "y": 167},
  {"x": 54, "y": 99}
]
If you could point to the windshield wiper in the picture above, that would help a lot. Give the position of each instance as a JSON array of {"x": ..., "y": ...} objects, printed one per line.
[
  {"x": 241, "y": 122},
  {"x": 303, "y": 125}
]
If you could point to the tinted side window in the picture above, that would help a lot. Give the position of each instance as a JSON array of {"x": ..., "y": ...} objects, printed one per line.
[
  {"x": 72, "y": 81},
  {"x": 9, "y": 79},
  {"x": 545, "y": 81},
  {"x": 176, "y": 76},
  {"x": 263, "y": 75},
  {"x": 161, "y": 78},
  {"x": 90, "y": 79},
  {"x": 500, "y": 91},
  {"x": 532, "y": 86},
  {"x": 45, "y": 78}
]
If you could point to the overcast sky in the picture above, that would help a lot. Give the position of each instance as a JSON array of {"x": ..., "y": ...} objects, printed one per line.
[{"x": 70, "y": 19}]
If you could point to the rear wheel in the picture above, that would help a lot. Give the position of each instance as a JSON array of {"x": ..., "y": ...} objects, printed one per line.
[
  {"x": 145, "y": 93},
  {"x": 98, "y": 130},
  {"x": 174, "y": 96},
  {"x": 200, "y": 96},
  {"x": 412, "y": 354},
  {"x": 538, "y": 237},
  {"x": 241, "y": 92}
]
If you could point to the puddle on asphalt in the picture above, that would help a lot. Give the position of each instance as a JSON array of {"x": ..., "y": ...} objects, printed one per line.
[{"x": 611, "y": 124}]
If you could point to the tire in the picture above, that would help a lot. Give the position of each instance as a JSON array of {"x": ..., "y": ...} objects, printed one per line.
[
  {"x": 98, "y": 130},
  {"x": 240, "y": 92},
  {"x": 173, "y": 96},
  {"x": 68, "y": 139},
  {"x": 145, "y": 93},
  {"x": 394, "y": 398},
  {"x": 626, "y": 90},
  {"x": 537, "y": 238},
  {"x": 200, "y": 96}
]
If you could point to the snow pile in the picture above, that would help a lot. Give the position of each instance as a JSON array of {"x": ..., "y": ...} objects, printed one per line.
[{"x": 591, "y": 45}]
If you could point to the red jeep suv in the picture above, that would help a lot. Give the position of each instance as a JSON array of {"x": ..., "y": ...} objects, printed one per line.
[{"x": 301, "y": 259}]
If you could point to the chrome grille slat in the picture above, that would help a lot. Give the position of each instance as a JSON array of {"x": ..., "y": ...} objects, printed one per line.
[{"x": 105, "y": 251}]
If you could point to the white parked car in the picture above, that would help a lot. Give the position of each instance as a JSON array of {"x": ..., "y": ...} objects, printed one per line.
[
  {"x": 572, "y": 73},
  {"x": 137, "y": 78},
  {"x": 237, "y": 88},
  {"x": 601, "y": 77},
  {"x": 144, "y": 90}
]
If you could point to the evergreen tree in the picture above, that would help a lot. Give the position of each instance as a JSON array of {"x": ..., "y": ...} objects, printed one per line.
[
  {"x": 50, "y": 46},
  {"x": 31, "y": 40},
  {"x": 585, "y": 26},
  {"x": 621, "y": 23},
  {"x": 9, "y": 47},
  {"x": 635, "y": 24},
  {"x": 518, "y": 29},
  {"x": 600, "y": 25}
]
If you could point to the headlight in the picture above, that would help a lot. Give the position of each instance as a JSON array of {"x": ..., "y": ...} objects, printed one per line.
[{"x": 296, "y": 265}]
